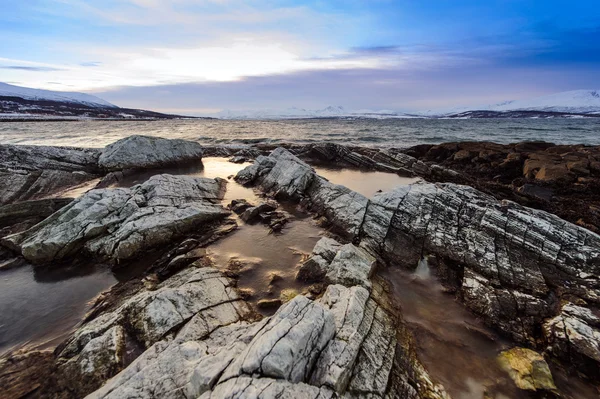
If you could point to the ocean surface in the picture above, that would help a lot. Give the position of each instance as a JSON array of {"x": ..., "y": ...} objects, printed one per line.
[{"x": 377, "y": 133}]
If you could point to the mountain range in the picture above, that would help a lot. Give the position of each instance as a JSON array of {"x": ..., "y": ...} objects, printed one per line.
[
  {"x": 22, "y": 103},
  {"x": 26, "y": 103}
]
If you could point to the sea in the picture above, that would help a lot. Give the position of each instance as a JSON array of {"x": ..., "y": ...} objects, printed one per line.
[{"x": 399, "y": 133}]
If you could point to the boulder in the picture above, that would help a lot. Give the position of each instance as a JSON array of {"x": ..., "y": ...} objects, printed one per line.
[
  {"x": 139, "y": 152},
  {"x": 527, "y": 369},
  {"x": 118, "y": 224},
  {"x": 34, "y": 172}
]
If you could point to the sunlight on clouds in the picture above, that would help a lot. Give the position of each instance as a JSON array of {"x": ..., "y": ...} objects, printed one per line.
[{"x": 243, "y": 58}]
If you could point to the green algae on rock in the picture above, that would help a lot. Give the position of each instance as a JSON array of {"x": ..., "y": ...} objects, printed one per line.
[{"x": 527, "y": 368}]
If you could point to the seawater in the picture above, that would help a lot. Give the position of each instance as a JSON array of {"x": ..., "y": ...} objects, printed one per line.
[{"x": 376, "y": 133}]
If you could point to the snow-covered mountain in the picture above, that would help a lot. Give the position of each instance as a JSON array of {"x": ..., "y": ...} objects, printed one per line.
[
  {"x": 22, "y": 103},
  {"x": 576, "y": 101},
  {"x": 26, "y": 93},
  {"x": 299, "y": 113}
]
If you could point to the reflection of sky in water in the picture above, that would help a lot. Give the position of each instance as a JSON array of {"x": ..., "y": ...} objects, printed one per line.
[
  {"x": 365, "y": 182},
  {"x": 38, "y": 306}
]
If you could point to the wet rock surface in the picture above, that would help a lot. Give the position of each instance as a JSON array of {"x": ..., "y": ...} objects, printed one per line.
[
  {"x": 34, "y": 172},
  {"x": 139, "y": 152},
  {"x": 117, "y": 224},
  {"x": 528, "y": 369},
  {"x": 185, "y": 330},
  {"x": 561, "y": 179},
  {"x": 509, "y": 264}
]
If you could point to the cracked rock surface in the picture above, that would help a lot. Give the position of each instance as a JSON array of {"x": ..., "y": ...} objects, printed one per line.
[
  {"x": 118, "y": 223},
  {"x": 33, "y": 172},
  {"x": 188, "y": 306},
  {"x": 140, "y": 152},
  {"x": 346, "y": 344},
  {"x": 509, "y": 264}
]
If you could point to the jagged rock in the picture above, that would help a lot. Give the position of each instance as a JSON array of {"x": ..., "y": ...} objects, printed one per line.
[
  {"x": 18, "y": 217},
  {"x": 252, "y": 213},
  {"x": 335, "y": 364},
  {"x": 269, "y": 303},
  {"x": 181, "y": 368},
  {"x": 508, "y": 258},
  {"x": 118, "y": 223},
  {"x": 101, "y": 358},
  {"x": 34, "y": 172},
  {"x": 136, "y": 152},
  {"x": 239, "y": 206},
  {"x": 508, "y": 263},
  {"x": 195, "y": 301},
  {"x": 574, "y": 336},
  {"x": 288, "y": 345},
  {"x": 248, "y": 387},
  {"x": 284, "y": 175},
  {"x": 351, "y": 266},
  {"x": 238, "y": 159},
  {"x": 348, "y": 266},
  {"x": 315, "y": 267},
  {"x": 527, "y": 369}
]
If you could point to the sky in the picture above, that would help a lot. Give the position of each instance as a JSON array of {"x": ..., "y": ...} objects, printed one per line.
[{"x": 200, "y": 57}]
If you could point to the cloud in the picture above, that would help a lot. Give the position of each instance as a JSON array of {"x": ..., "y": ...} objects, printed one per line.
[
  {"x": 90, "y": 64},
  {"x": 396, "y": 89},
  {"x": 31, "y": 68}
]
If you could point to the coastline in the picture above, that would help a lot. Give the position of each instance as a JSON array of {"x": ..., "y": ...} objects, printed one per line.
[{"x": 381, "y": 231}]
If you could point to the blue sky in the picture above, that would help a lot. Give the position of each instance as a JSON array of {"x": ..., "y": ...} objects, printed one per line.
[{"x": 200, "y": 57}]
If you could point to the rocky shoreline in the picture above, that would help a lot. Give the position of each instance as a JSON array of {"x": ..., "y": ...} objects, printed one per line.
[{"x": 494, "y": 222}]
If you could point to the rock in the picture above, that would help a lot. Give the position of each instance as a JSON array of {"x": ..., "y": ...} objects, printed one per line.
[
  {"x": 493, "y": 244},
  {"x": 574, "y": 336},
  {"x": 191, "y": 304},
  {"x": 269, "y": 303},
  {"x": 335, "y": 364},
  {"x": 118, "y": 224},
  {"x": 239, "y": 206},
  {"x": 284, "y": 175},
  {"x": 288, "y": 294},
  {"x": 527, "y": 369},
  {"x": 101, "y": 358},
  {"x": 338, "y": 264},
  {"x": 532, "y": 190},
  {"x": 238, "y": 159},
  {"x": 252, "y": 213},
  {"x": 137, "y": 152},
  {"x": 24, "y": 374},
  {"x": 351, "y": 266},
  {"x": 266, "y": 388},
  {"x": 315, "y": 267},
  {"x": 288, "y": 345},
  {"x": 18, "y": 217},
  {"x": 35, "y": 172}
]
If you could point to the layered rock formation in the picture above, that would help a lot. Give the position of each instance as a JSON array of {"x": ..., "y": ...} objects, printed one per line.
[
  {"x": 510, "y": 264},
  {"x": 34, "y": 172},
  {"x": 117, "y": 224},
  {"x": 141, "y": 152},
  {"x": 349, "y": 343},
  {"x": 561, "y": 179}
]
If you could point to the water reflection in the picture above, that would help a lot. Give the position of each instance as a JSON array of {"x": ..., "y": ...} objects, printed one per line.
[
  {"x": 367, "y": 183},
  {"x": 39, "y": 307}
]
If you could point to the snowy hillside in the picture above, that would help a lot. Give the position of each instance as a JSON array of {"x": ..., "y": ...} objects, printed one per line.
[
  {"x": 576, "y": 101},
  {"x": 299, "y": 113},
  {"x": 26, "y": 93}
]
